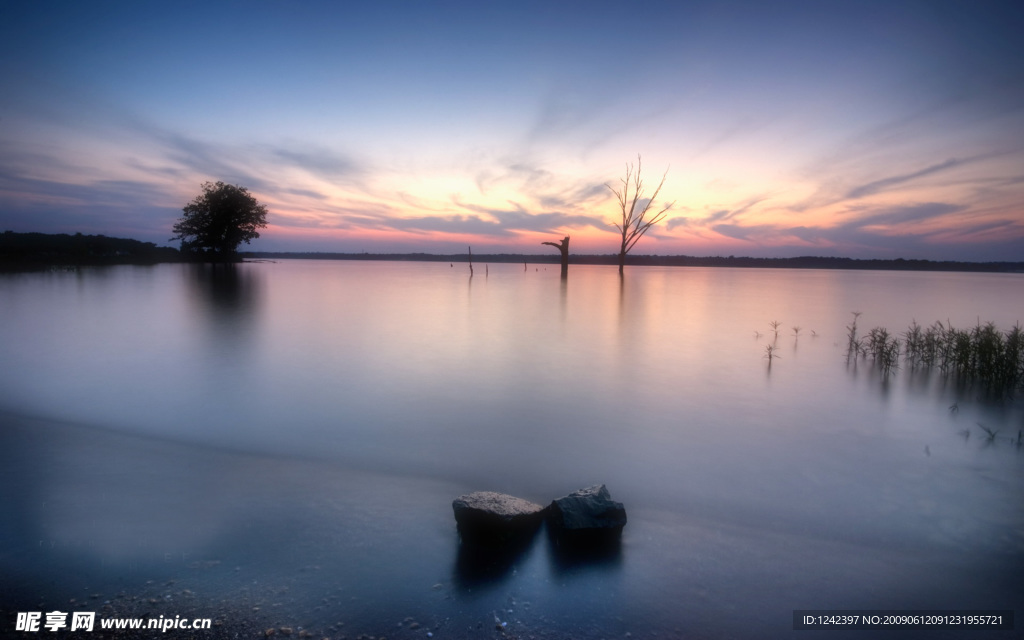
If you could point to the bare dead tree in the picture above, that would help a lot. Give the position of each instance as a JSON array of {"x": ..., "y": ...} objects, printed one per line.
[
  {"x": 636, "y": 209},
  {"x": 562, "y": 246}
]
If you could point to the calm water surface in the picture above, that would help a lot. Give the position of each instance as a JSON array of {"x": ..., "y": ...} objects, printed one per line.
[{"x": 290, "y": 435}]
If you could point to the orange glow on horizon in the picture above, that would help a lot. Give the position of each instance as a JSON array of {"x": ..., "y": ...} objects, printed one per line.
[{"x": 443, "y": 210}]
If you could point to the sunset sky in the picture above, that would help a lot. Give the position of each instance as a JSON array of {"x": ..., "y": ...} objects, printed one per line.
[{"x": 845, "y": 128}]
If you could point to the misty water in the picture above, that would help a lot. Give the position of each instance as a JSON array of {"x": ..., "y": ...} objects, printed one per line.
[{"x": 283, "y": 441}]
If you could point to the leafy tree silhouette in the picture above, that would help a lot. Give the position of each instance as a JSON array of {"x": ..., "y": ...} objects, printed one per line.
[{"x": 217, "y": 221}]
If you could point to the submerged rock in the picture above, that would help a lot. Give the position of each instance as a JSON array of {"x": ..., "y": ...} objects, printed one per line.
[
  {"x": 490, "y": 516},
  {"x": 587, "y": 516}
]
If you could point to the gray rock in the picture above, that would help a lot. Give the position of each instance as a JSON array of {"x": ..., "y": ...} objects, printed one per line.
[
  {"x": 486, "y": 514},
  {"x": 587, "y": 512}
]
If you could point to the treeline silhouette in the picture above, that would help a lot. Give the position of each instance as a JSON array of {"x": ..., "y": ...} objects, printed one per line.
[
  {"x": 805, "y": 262},
  {"x": 25, "y": 251}
]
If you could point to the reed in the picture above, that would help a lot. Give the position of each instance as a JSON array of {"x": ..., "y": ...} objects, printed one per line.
[
  {"x": 853, "y": 345},
  {"x": 884, "y": 349},
  {"x": 982, "y": 354},
  {"x": 913, "y": 344},
  {"x": 1012, "y": 369}
]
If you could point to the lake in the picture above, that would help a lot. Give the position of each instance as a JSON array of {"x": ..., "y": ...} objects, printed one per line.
[{"x": 277, "y": 444}]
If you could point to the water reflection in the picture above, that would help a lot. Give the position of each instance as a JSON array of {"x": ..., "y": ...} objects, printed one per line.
[
  {"x": 227, "y": 291},
  {"x": 571, "y": 556},
  {"x": 563, "y": 297},
  {"x": 485, "y": 565},
  {"x": 946, "y": 388},
  {"x": 228, "y": 298}
]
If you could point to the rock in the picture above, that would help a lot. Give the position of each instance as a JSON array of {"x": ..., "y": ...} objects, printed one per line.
[
  {"x": 587, "y": 515},
  {"x": 486, "y": 515}
]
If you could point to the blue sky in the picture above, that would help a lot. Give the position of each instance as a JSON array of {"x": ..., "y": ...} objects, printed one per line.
[{"x": 863, "y": 129}]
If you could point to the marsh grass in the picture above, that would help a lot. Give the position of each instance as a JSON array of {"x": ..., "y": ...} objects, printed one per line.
[
  {"x": 853, "y": 344},
  {"x": 884, "y": 349},
  {"x": 982, "y": 354}
]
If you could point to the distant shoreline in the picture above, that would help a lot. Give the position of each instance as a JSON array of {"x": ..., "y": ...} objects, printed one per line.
[
  {"x": 803, "y": 262},
  {"x": 40, "y": 251}
]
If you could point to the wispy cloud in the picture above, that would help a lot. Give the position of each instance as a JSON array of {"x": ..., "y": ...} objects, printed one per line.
[
  {"x": 322, "y": 163},
  {"x": 519, "y": 219},
  {"x": 746, "y": 232},
  {"x": 109, "y": 207},
  {"x": 732, "y": 214},
  {"x": 495, "y": 222},
  {"x": 533, "y": 182},
  {"x": 884, "y": 184},
  {"x": 901, "y": 215},
  {"x": 933, "y": 229}
]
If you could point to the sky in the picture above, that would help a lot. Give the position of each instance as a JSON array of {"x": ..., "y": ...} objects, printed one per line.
[{"x": 831, "y": 128}]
